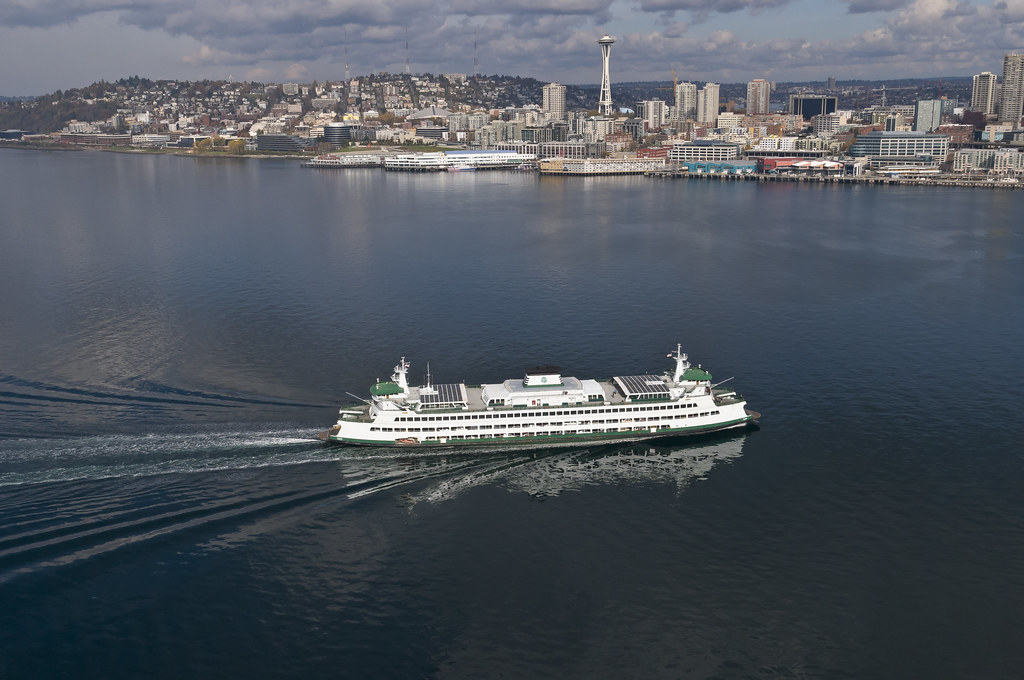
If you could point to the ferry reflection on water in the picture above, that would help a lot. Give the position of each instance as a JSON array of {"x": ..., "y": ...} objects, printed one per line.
[{"x": 547, "y": 471}]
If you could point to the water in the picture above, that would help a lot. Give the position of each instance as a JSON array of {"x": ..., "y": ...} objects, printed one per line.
[{"x": 173, "y": 333}]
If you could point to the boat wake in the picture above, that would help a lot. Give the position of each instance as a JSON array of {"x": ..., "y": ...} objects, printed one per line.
[
  {"x": 75, "y": 499},
  {"x": 27, "y": 461}
]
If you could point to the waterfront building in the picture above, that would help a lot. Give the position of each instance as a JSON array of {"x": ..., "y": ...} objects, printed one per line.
[
  {"x": 686, "y": 101},
  {"x": 708, "y": 102},
  {"x": 894, "y": 150},
  {"x": 879, "y": 143},
  {"x": 604, "y": 103},
  {"x": 600, "y": 166},
  {"x": 799, "y": 166},
  {"x": 758, "y": 97},
  {"x": 994, "y": 161},
  {"x": 810, "y": 105},
  {"x": 983, "y": 93},
  {"x": 703, "y": 150},
  {"x": 153, "y": 140},
  {"x": 554, "y": 100},
  {"x": 811, "y": 154},
  {"x": 1011, "y": 96},
  {"x": 443, "y": 160},
  {"x": 719, "y": 167},
  {"x": 562, "y": 150},
  {"x": 280, "y": 142},
  {"x": 95, "y": 139}
]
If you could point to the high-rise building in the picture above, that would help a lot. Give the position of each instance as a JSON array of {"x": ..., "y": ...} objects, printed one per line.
[
  {"x": 810, "y": 105},
  {"x": 654, "y": 114},
  {"x": 983, "y": 93},
  {"x": 554, "y": 100},
  {"x": 826, "y": 124},
  {"x": 759, "y": 93},
  {"x": 707, "y": 103},
  {"x": 604, "y": 102},
  {"x": 686, "y": 101},
  {"x": 1011, "y": 98},
  {"x": 927, "y": 115}
]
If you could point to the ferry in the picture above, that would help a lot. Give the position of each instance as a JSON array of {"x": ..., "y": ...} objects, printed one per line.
[{"x": 541, "y": 408}]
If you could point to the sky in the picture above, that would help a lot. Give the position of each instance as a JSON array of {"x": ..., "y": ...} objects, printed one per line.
[{"x": 47, "y": 45}]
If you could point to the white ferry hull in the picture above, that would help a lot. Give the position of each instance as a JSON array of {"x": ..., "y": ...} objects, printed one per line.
[
  {"x": 543, "y": 409},
  {"x": 542, "y": 440}
]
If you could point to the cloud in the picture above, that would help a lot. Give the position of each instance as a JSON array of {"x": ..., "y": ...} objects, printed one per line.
[
  {"x": 206, "y": 55},
  {"x": 700, "y": 39},
  {"x": 706, "y": 7},
  {"x": 864, "y": 6},
  {"x": 296, "y": 72}
]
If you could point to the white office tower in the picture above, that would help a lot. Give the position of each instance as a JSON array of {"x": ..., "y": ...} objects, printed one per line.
[
  {"x": 759, "y": 94},
  {"x": 686, "y": 101},
  {"x": 707, "y": 104},
  {"x": 554, "y": 100},
  {"x": 927, "y": 114},
  {"x": 654, "y": 113},
  {"x": 1011, "y": 99},
  {"x": 983, "y": 94},
  {"x": 604, "y": 103}
]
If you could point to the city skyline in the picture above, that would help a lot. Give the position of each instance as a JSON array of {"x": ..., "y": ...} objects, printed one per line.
[{"x": 59, "y": 44}]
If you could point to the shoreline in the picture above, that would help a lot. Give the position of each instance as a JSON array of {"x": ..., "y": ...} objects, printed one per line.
[{"x": 668, "y": 173}]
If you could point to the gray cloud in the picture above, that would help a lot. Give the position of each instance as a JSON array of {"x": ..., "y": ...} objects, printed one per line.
[
  {"x": 705, "y": 7},
  {"x": 554, "y": 40},
  {"x": 864, "y": 6}
]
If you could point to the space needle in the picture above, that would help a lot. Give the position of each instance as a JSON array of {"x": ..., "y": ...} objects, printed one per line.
[{"x": 604, "y": 103}]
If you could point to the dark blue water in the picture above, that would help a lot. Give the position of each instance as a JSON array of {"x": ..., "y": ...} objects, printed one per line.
[{"x": 173, "y": 333}]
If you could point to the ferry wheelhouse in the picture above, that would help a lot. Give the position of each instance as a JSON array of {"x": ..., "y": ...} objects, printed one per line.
[{"x": 542, "y": 407}]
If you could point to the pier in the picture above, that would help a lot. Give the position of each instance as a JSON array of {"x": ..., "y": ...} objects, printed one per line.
[{"x": 944, "y": 181}]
